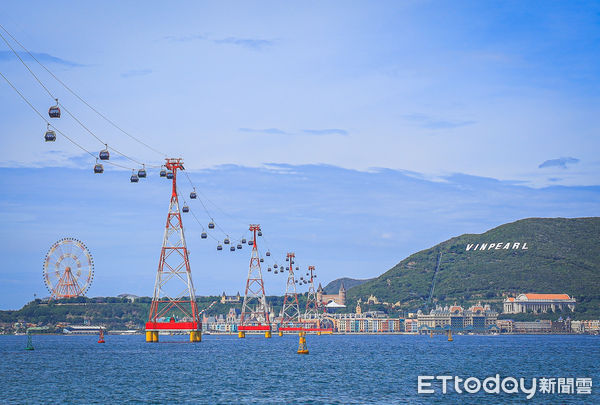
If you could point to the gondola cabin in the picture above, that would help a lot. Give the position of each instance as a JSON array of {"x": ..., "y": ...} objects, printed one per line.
[
  {"x": 104, "y": 154},
  {"x": 50, "y": 136},
  {"x": 98, "y": 168},
  {"x": 54, "y": 111}
]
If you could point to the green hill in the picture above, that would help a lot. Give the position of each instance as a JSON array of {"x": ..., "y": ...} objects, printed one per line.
[
  {"x": 560, "y": 256},
  {"x": 334, "y": 286}
]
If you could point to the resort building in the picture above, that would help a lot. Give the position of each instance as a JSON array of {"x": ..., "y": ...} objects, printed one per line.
[
  {"x": 339, "y": 298},
  {"x": 539, "y": 326},
  {"x": 455, "y": 317},
  {"x": 230, "y": 298},
  {"x": 538, "y": 303}
]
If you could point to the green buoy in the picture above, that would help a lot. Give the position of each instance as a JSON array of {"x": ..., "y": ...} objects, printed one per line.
[{"x": 29, "y": 342}]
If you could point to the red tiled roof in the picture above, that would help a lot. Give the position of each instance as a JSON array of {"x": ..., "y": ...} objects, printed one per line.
[{"x": 532, "y": 296}]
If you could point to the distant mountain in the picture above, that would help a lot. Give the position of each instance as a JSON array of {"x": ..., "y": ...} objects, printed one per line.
[
  {"x": 544, "y": 255},
  {"x": 334, "y": 286}
]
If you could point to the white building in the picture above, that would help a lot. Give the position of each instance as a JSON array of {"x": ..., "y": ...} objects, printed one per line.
[{"x": 538, "y": 303}]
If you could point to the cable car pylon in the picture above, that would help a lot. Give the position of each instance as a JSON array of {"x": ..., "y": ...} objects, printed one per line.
[
  {"x": 290, "y": 313},
  {"x": 170, "y": 296},
  {"x": 255, "y": 314}
]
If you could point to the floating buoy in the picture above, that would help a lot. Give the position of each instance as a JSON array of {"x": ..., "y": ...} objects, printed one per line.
[
  {"x": 101, "y": 337},
  {"x": 29, "y": 342},
  {"x": 450, "y": 339},
  {"x": 302, "y": 349}
]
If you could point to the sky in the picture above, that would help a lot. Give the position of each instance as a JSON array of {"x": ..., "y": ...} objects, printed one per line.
[{"x": 355, "y": 133}]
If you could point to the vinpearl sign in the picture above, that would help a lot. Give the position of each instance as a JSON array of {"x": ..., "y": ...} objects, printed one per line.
[{"x": 497, "y": 246}]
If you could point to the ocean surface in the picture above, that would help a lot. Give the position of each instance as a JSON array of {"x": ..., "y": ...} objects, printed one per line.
[{"x": 340, "y": 369}]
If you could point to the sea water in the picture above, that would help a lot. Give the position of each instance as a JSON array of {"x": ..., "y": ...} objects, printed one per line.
[{"x": 340, "y": 369}]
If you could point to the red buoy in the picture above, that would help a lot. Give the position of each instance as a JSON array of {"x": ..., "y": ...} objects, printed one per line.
[{"x": 101, "y": 338}]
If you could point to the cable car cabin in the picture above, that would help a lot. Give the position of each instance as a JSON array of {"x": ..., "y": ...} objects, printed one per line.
[
  {"x": 50, "y": 136},
  {"x": 297, "y": 268},
  {"x": 226, "y": 241},
  {"x": 262, "y": 260},
  {"x": 98, "y": 168},
  {"x": 259, "y": 233},
  {"x": 203, "y": 235},
  {"x": 193, "y": 195},
  {"x": 211, "y": 225},
  {"x": 239, "y": 246},
  {"x": 232, "y": 249},
  {"x": 134, "y": 178},
  {"x": 250, "y": 242},
  {"x": 54, "y": 111},
  {"x": 268, "y": 253},
  {"x": 163, "y": 173},
  {"x": 287, "y": 259},
  {"x": 275, "y": 265},
  {"x": 269, "y": 269},
  {"x": 243, "y": 240},
  {"x": 170, "y": 175},
  {"x": 142, "y": 173},
  {"x": 185, "y": 208},
  {"x": 276, "y": 272},
  {"x": 219, "y": 247},
  {"x": 104, "y": 154}
]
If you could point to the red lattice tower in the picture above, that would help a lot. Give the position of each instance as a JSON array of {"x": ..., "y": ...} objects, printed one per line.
[
  {"x": 290, "y": 313},
  {"x": 174, "y": 295},
  {"x": 255, "y": 315}
]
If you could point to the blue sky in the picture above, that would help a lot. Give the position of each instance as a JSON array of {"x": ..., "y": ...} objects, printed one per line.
[{"x": 355, "y": 132}]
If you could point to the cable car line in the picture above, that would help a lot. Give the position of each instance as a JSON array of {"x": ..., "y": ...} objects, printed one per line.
[
  {"x": 52, "y": 126},
  {"x": 61, "y": 104},
  {"x": 98, "y": 167},
  {"x": 80, "y": 98}
]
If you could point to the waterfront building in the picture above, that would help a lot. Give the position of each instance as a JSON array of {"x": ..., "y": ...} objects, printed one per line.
[
  {"x": 539, "y": 326},
  {"x": 538, "y": 303},
  {"x": 591, "y": 326},
  {"x": 369, "y": 322},
  {"x": 505, "y": 325},
  {"x": 455, "y": 317},
  {"x": 339, "y": 298},
  {"x": 577, "y": 327},
  {"x": 411, "y": 325}
]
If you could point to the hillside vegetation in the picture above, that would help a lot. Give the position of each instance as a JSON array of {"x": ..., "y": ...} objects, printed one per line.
[
  {"x": 562, "y": 256},
  {"x": 334, "y": 286}
]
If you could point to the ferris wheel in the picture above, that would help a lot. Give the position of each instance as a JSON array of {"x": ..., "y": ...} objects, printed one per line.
[{"x": 68, "y": 269}]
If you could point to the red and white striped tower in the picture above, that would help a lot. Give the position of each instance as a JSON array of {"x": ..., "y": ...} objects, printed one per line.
[
  {"x": 174, "y": 294},
  {"x": 290, "y": 313},
  {"x": 255, "y": 315}
]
